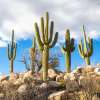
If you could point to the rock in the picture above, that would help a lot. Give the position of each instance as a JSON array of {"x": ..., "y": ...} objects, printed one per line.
[
  {"x": 1, "y": 96},
  {"x": 28, "y": 74},
  {"x": 19, "y": 81},
  {"x": 51, "y": 73},
  {"x": 4, "y": 82},
  {"x": 54, "y": 84},
  {"x": 3, "y": 77},
  {"x": 58, "y": 96},
  {"x": 88, "y": 69},
  {"x": 97, "y": 71},
  {"x": 98, "y": 65},
  {"x": 21, "y": 75},
  {"x": 13, "y": 76},
  {"x": 44, "y": 85},
  {"x": 69, "y": 76},
  {"x": 22, "y": 89},
  {"x": 72, "y": 85},
  {"x": 81, "y": 80},
  {"x": 60, "y": 77},
  {"x": 79, "y": 70}
]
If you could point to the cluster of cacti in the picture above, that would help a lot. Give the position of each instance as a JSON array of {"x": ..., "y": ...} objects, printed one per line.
[
  {"x": 46, "y": 42},
  {"x": 12, "y": 52},
  {"x": 67, "y": 49},
  {"x": 86, "y": 51},
  {"x": 32, "y": 55}
]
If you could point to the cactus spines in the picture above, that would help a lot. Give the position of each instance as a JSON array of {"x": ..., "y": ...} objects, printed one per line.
[
  {"x": 45, "y": 42},
  {"x": 12, "y": 52},
  {"x": 86, "y": 51},
  {"x": 67, "y": 49},
  {"x": 32, "y": 54}
]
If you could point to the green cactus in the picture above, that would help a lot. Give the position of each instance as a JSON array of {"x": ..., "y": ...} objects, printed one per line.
[
  {"x": 46, "y": 42},
  {"x": 32, "y": 54},
  {"x": 12, "y": 52},
  {"x": 86, "y": 51},
  {"x": 69, "y": 47}
]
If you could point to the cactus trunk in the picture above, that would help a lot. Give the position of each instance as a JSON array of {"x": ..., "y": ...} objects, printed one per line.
[
  {"x": 68, "y": 62},
  {"x": 45, "y": 62},
  {"x": 32, "y": 56},
  {"x": 11, "y": 65},
  {"x": 87, "y": 60}
]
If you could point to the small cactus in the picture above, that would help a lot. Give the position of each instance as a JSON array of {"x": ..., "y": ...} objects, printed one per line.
[
  {"x": 32, "y": 54},
  {"x": 69, "y": 47},
  {"x": 12, "y": 52},
  {"x": 86, "y": 51},
  {"x": 46, "y": 42}
]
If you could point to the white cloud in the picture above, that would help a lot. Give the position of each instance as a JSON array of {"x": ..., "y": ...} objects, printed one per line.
[
  {"x": 21, "y": 15},
  {"x": 3, "y": 44}
]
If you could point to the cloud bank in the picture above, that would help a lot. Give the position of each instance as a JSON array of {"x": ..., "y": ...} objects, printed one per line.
[{"x": 20, "y": 15}]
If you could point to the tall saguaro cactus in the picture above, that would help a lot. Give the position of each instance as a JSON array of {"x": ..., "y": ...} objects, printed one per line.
[
  {"x": 32, "y": 54},
  {"x": 86, "y": 51},
  {"x": 46, "y": 42},
  {"x": 67, "y": 49},
  {"x": 12, "y": 52}
]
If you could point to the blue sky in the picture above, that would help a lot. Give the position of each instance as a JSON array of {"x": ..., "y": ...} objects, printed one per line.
[
  {"x": 24, "y": 45},
  {"x": 21, "y": 15}
]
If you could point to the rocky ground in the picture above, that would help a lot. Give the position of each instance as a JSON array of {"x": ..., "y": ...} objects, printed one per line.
[{"x": 80, "y": 84}]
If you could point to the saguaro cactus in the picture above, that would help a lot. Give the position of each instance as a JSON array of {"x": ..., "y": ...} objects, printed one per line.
[
  {"x": 32, "y": 54},
  {"x": 12, "y": 52},
  {"x": 86, "y": 51},
  {"x": 46, "y": 42},
  {"x": 67, "y": 49}
]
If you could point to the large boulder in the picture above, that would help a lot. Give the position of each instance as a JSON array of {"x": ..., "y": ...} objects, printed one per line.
[
  {"x": 22, "y": 89},
  {"x": 19, "y": 81},
  {"x": 44, "y": 85},
  {"x": 13, "y": 76},
  {"x": 71, "y": 82},
  {"x": 54, "y": 84},
  {"x": 69, "y": 76},
  {"x": 60, "y": 77},
  {"x": 97, "y": 70},
  {"x": 57, "y": 96},
  {"x": 52, "y": 74},
  {"x": 88, "y": 69},
  {"x": 2, "y": 96},
  {"x": 28, "y": 74},
  {"x": 3, "y": 77}
]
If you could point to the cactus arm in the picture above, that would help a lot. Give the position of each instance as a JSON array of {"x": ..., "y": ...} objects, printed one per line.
[
  {"x": 84, "y": 35},
  {"x": 72, "y": 45},
  {"x": 34, "y": 42},
  {"x": 9, "y": 55},
  {"x": 14, "y": 54},
  {"x": 12, "y": 36},
  {"x": 63, "y": 50},
  {"x": 51, "y": 31},
  {"x": 90, "y": 44},
  {"x": 42, "y": 29},
  {"x": 80, "y": 49},
  {"x": 47, "y": 26},
  {"x": 85, "y": 41},
  {"x": 40, "y": 44},
  {"x": 52, "y": 44}
]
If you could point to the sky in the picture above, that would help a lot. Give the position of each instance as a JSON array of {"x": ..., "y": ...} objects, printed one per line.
[{"x": 21, "y": 15}]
